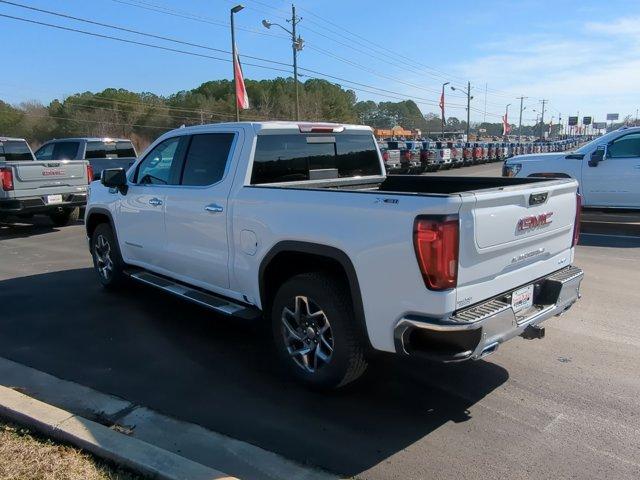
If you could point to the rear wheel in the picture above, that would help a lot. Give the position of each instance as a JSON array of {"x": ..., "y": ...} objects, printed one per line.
[
  {"x": 64, "y": 217},
  {"x": 107, "y": 261},
  {"x": 315, "y": 333}
]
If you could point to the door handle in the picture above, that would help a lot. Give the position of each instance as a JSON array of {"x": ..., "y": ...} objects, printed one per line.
[
  {"x": 214, "y": 208},
  {"x": 156, "y": 202}
]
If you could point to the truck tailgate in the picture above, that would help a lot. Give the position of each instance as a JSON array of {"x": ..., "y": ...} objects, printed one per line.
[
  {"x": 62, "y": 173},
  {"x": 510, "y": 236}
]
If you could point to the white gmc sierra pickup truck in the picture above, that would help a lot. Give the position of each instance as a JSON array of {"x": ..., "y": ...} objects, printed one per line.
[
  {"x": 608, "y": 169},
  {"x": 297, "y": 223}
]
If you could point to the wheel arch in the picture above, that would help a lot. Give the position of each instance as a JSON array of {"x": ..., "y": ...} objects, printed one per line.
[
  {"x": 288, "y": 258},
  {"x": 95, "y": 217}
]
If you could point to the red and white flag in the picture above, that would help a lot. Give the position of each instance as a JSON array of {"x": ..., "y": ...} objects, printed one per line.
[
  {"x": 442, "y": 104},
  {"x": 506, "y": 128},
  {"x": 241, "y": 91}
]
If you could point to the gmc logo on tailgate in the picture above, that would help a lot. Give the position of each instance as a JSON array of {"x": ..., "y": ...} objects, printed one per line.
[{"x": 534, "y": 221}]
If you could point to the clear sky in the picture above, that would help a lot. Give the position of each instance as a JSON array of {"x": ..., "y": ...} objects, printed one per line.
[{"x": 581, "y": 55}]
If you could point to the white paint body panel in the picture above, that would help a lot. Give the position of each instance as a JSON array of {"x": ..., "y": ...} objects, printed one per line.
[
  {"x": 375, "y": 236},
  {"x": 614, "y": 183}
]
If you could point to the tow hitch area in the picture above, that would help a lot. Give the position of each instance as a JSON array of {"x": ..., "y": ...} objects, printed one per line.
[{"x": 532, "y": 332}]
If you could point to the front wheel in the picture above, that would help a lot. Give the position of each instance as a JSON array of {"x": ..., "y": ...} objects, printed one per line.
[
  {"x": 315, "y": 333},
  {"x": 107, "y": 261}
]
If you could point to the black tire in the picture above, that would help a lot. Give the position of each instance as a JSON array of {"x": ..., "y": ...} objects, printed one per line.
[
  {"x": 327, "y": 294},
  {"x": 65, "y": 216},
  {"x": 103, "y": 242}
]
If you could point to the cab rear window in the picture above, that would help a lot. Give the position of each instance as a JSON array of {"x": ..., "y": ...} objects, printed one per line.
[
  {"x": 12, "y": 151},
  {"x": 299, "y": 157},
  {"x": 121, "y": 149}
]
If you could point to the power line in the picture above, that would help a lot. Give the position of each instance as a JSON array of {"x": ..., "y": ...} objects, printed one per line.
[
  {"x": 198, "y": 18},
  {"x": 134, "y": 42},
  {"x": 367, "y": 88},
  {"x": 136, "y": 32}
]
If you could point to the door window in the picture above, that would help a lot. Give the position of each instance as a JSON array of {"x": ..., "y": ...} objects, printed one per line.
[
  {"x": 206, "y": 158},
  {"x": 159, "y": 165},
  {"x": 45, "y": 152},
  {"x": 625, "y": 147},
  {"x": 65, "y": 150}
]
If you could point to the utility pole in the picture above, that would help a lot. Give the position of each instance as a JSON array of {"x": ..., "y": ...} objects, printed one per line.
[
  {"x": 469, "y": 98},
  {"x": 520, "y": 121},
  {"x": 468, "y": 108},
  {"x": 484, "y": 117},
  {"x": 542, "y": 119},
  {"x": 296, "y": 44}
]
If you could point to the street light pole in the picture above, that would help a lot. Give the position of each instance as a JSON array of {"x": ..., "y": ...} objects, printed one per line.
[
  {"x": 506, "y": 119},
  {"x": 442, "y": 106},
  {"x": 296, "y": 45},
  {"x": 542, "y": 120},
  {"x": 520, "y": 120},
  {"x": 235, "y": 10},
  {"x": 469, "y": 98}
]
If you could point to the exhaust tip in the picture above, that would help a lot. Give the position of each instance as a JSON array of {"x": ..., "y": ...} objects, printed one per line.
[{"x": 533, "y": 332}]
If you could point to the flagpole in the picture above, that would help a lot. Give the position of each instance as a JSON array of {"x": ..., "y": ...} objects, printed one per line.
[{"x": 234, "y": 54}]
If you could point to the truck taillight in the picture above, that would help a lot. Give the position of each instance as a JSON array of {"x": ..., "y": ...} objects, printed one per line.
[
  {"x": 435, "y": 239},
  {"x": 89, "y": 174},
  {"x": 385, "y": 156},
  {"x": 576, "y": 226},
  {"x": 6, "y": 178},
  {"x": 407, "y": 155}
]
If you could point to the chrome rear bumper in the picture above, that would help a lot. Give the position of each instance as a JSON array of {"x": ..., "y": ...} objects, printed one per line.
[{"x": 476, "y": 331}]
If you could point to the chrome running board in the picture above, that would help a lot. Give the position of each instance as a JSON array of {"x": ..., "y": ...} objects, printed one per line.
[{"x": 205, "y": 299}]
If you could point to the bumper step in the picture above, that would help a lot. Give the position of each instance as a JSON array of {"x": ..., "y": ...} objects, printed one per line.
[{"x": 206, "y": 299}]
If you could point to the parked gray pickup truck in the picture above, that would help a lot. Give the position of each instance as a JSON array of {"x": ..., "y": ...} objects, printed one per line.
[
  {"x": 101, "y": 153},
  {"x": 29, "y": 187}
]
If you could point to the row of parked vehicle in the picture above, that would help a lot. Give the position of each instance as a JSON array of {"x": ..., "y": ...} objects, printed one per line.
[{"x": 417, "y": 156}]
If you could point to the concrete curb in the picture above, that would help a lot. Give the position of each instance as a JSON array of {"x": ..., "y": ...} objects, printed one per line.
[{"x": 101, "y": 441}]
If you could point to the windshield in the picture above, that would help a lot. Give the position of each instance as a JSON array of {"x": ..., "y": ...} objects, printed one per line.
[
  {"x": 12, "y": 151},
  {"x": 587, "y": 147}
]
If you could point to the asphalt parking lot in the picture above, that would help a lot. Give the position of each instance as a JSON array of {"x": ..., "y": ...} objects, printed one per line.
[{"x": 562, "y": 407}]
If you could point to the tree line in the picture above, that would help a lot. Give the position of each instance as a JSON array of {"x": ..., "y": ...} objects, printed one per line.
[{"x": 144, "y": 116}]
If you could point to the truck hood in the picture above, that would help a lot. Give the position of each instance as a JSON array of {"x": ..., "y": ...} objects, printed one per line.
[{"x": 536, "y": 157}]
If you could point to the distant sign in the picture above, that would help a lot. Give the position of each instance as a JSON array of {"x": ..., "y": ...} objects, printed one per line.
[
  {"x": 586, "y": 120},
  {"x": 482, "y": 130},
  {"x": 612, "y": 116},
  {"x": 599, "y": 125},
  {"x": 573, "y": 121}
]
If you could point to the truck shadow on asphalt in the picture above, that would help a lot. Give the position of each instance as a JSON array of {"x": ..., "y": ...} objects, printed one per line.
[
  {"x": 28, "y": 228},
  {"x": 179, "y": 359}
]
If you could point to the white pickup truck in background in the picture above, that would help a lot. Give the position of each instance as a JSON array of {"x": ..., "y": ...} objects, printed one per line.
[
  {"x": 298, "y": 224},
  {"x": 101, "y": 153},
  {"x": 608, "y": 169},
  {"x": 57, "y": 189}
]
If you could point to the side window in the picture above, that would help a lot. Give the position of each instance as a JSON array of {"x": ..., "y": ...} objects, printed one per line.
[
  {"x": 206, "y": 158},
  {"x": 625, "y": 147},
  {"x": 45, "y": 152},
  {"x": 156, "y": 167},
  {"x": 65, "y": 150}
]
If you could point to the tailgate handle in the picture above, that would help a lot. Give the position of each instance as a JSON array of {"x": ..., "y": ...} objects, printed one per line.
[{"x": 538, "y": 198}]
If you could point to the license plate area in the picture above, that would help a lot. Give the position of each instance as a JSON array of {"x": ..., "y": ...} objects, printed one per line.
[
  {"x": 53, "y": 199},
  {"x": 522, "y": 299}
]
